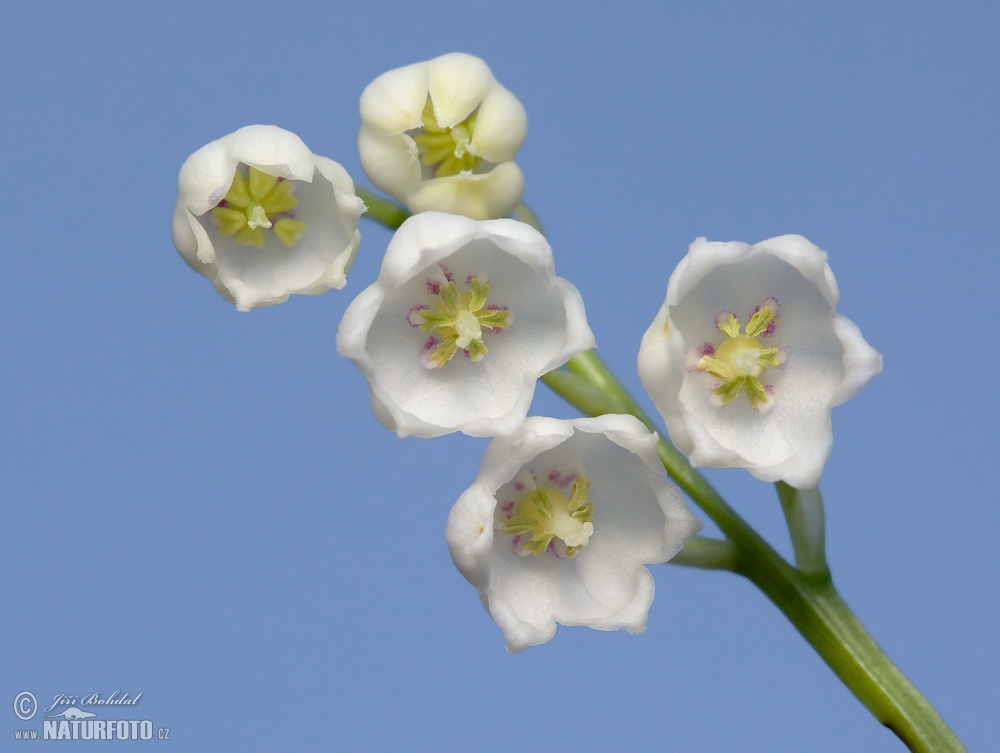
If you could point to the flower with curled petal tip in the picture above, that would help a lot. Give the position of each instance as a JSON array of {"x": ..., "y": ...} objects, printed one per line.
[
  {"x": 465, "y": 315},
  {"x": 442, "y": 135},
  {"x": 559, "y": 522},
  {"x": 747, "y": 357},
  {"x": 262, "y": 217}
]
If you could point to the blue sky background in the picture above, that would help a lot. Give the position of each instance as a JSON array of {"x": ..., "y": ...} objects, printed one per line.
[{"x": 198, "y": 505}]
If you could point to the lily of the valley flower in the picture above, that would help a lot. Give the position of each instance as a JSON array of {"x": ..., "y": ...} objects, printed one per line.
[
  {"x": 262, "y": 217},
  {"x": 747, "y": 357},
  {"x": 559, "y": 522},
  {"x": 442, "y": 135},
  {"x": 463, "y": 318}
]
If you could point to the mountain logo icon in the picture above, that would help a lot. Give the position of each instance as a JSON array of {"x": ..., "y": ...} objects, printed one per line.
[{"x": 72, "y": 713}]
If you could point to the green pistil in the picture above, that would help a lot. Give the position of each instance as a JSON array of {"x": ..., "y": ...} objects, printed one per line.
[
  {"x": 544, "y": 514},
  {"x": 459, "y": 319},
  {"x": 446, "y": 150},
  {"x": 252, "y": 202},
  {"x": 740, "y": 359}
]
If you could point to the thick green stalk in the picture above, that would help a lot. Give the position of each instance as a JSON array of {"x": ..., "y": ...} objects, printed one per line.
[
  {"x": 380, "y": 210},
  {"x": 523, "y": 213},
  {"x": 809, "y": 600},
  {"x": 819, "y": 613},
  {"x": 590, "y": 399},
  {"x": 803, "y": 510},
  {"x": 707, "y": 554}
]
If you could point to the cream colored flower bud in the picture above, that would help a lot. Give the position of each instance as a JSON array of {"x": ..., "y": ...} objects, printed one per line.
[{"x": 442, "y": 136}]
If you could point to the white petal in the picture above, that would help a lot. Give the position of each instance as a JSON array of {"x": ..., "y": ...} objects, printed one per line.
[
  {"x": 394, "y": 102},
  {"x": 481, "y": 196},
  {"x": 804, "y": 467},
  {"x": 501, "y": 127},
  {"x": 192, "y": 242},
  {"x": 578, "y": 336},
  {"x": 428, "y": 238},
  {"x": 702, "y": 259},
  {"x": 457, "y": 83},
  {"x": 861, "y": 360},
  {"x": 390, "y": 161},
  {"x": 206, "y": 175},
  {"x": 808, "y": 259},
  {"x": 272, "y": 150}
]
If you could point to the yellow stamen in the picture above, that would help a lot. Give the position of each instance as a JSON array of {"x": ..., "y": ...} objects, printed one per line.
[
  {"x": 252, "y": 203},
  {"x": 459, "y": 320},
  {"x": 446, "y": 150},
  {"x": 544, "y": 514},
  {"x": 740, "y": 359}
]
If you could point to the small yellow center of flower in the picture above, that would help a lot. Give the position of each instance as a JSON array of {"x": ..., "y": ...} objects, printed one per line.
[
  {"x": 458, "y": 321},
  {"x": 254, "y": 204},
  {"x": 740, "y": 359},
  {"x": 446, "y": 150},
  {"x": 544, "y": 514}
]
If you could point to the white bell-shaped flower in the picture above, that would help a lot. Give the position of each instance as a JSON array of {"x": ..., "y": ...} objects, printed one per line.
[
  {"x": 559, "y": 522},
  {"x": 442, "y": 135},
  {"x": 464, "y": 317},
  {"x": 747, "y": 357},
  {"x": 262, "y": 217}
]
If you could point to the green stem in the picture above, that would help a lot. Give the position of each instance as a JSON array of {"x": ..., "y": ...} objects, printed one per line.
[
  {"x": 819, "y": 613},
  {"x": 590, "y": 366},
  {"x": 524, "y": 213},
  {"x": 808, "y": 599},
  {"x": 380, "y": 210},
  {"x": 595, "y": 401},
  {"x": 707, "y": 554},
  {"x": 803, "y": 510}
]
